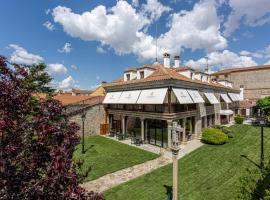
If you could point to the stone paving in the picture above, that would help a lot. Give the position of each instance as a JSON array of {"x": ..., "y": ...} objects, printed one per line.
[{"x": 112, "y": 180}]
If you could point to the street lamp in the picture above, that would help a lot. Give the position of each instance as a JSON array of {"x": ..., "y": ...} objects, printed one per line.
[
  {"x": 262, "y": 123},
  {"x": 83, "y": 116},
  {"x": 176, "y": 129}
]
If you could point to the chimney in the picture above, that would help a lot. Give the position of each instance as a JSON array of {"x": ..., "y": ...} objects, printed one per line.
[
  {"x": 176, "y": 61},
  {"x": 166, "y": 57}
]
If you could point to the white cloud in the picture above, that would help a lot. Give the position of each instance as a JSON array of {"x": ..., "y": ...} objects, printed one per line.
[
  {"x": 67, "y": 83},
  {"x": 245, "y": 53},
  {"x": 22, "y": 56},
  {"x": 100, "y": 49},
  {"x": 253, "y": 54},
  {"x": 153, "y": 9},
  {"x": 57, "y": 68},
  {"x": 135, "y": 3},
  {"x": 266, "y": 51},
  {"x": 49, "y": 25},
  {"x": 66, "y": 48},
  {"x": 74, "y": 67},
  {"x": 222, "y": 59},
  {"x": 116, "y": 27},
  {"x": 267, "y": 63},
  {"x": 47, "y": 11},
  {"x": 250, "y": 12},
  {"x": 123, "y": 28},
  {"x": 190, "y": 30},
  {"x": 97, "y": 77}
]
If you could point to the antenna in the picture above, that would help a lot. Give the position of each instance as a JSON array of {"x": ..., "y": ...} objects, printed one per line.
[
  {"x": 207, "y": 67},
  {"x": 156, "y": 42}
]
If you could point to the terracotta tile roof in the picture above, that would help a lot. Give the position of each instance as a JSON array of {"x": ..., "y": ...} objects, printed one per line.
[
  {"x": 78, "y": 91},
  {"x": 66, "y": 99},
  {"x": 242, "y": 69},
  {"x": 247, "y": 104},
  {"x": 162, "y": 73},
  {"x": 149, "y": 66},
  {"x": 183, "y": 68}
]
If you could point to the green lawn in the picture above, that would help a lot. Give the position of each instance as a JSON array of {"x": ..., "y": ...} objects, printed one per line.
[
  {"x": 105, "y": 156},
  {"x": 210, "y": 172}
]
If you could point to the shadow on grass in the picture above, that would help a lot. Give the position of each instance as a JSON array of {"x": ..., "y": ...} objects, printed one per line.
[
  {"x": 254, "y": 163},
  {"x": 168, "y": 192},
  {"x": 262, "y": 186},
  {"x": 88, "y": 148}
]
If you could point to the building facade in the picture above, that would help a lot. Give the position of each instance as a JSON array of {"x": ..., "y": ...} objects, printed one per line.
[
  {"x": 254, "y": 81},
  {"x": 149, "y": 98}
]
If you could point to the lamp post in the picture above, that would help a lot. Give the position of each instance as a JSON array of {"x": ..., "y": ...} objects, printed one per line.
[
  {"x": 176, "y": 129},
  {"x": 83, "y": 116},
  {"x": 262, "y": 122}
]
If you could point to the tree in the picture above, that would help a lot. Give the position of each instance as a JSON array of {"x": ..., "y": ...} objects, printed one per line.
[
  {"x": 264, "y": 104},
  {"x": 37, "y": 140}
]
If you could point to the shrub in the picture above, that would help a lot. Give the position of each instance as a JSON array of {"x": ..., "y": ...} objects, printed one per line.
[
  {"x": 238, "y": 119},
  {"x": 225, "y": 130},
  {"x": 214, "y": 136}
]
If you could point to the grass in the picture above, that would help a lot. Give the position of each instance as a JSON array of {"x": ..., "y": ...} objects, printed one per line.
[
  {"x": 210, "y": 172},
  {"x": 105, "y": 156}
]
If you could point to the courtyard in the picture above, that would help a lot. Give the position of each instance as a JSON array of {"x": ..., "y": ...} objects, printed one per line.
[
  {"x": 210, "y": 172},
  {"x": 106, "y": 156}
]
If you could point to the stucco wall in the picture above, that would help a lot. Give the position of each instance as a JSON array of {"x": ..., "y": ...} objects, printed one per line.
[{"x": 95, "y": 115}]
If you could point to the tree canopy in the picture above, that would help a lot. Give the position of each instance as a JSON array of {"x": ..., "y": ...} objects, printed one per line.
[
  {"x": 264, "y": 104},
  {"x": 37, "y": 140}
]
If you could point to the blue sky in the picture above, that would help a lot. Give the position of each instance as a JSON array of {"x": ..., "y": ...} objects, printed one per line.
[{"x": 84, "y": 42}]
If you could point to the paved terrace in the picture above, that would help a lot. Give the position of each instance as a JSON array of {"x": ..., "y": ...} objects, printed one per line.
[{"x": 114, "y": 179}]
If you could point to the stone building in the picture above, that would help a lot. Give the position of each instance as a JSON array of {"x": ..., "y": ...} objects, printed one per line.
[
  {"x": 149, "y": 98},
  {"x": 91, "y": 105},
  {"x": 253, "y": 81}
]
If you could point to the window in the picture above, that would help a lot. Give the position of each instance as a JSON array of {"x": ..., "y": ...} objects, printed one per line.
[
  {"x": 142, "y": 74},
  {"x": 128, "y": 77},
  {"x": 226, "y": 75}
]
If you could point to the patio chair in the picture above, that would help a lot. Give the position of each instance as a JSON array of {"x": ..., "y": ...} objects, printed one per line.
[
  {"x": 189, "y": 136},
  {"x": 111, "y": 134},
  {"x": 138, "y": 141},
  {"x": 120, "y": 136},
  {"x": 133, "y": 140}
]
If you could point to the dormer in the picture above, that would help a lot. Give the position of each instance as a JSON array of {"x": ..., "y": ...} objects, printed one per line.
[
  {"x": 144, "y": 72},
  {"x": 130, "y": 74},
  {"x": 186, "y": 71},
  {"x": 225, "y": 83},
  {"x": 202, "y": 76}
]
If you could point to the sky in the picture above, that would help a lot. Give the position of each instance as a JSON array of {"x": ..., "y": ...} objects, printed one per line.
[{"x": 85, "y": 42}]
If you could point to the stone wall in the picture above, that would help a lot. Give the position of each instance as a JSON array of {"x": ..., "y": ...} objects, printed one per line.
[
  {"x": 256, "y": 82},
  {"x": 95, "y": 115}
]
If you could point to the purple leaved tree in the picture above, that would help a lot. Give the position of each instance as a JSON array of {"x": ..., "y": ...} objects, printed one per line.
[{"x": 36, "y": 139}]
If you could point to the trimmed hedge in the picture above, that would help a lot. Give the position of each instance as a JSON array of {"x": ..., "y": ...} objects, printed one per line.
[
  {"x": 214, "y": 136},
  {"x": 225, "y": 130},
  {"x": 238, "y": 119}
]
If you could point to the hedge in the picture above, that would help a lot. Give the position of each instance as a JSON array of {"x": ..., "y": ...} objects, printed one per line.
[
  {"x": 225, "y": 130},
  {"x": 214, "y": 136},
  {"x": 238, "y": 119}
]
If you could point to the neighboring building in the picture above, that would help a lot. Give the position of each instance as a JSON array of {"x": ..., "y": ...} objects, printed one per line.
[
  {"x": 91, "y": 104},
  {"x": 78, "y": 92},
  {"x": 149, "y": 98},
  {"x": 254, "y": 81}
]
